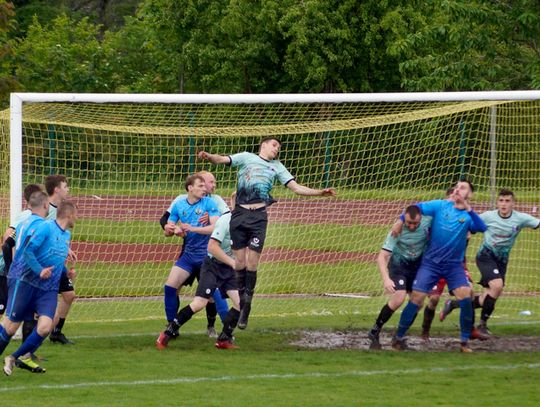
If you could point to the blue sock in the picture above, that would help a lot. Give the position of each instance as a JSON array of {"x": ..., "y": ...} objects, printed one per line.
[
  {"x": 221, "y": 305},
  {"x": 407, "y": 318},
  {"x": 30, "y": 345},
  {"x": 465, "y": 318},
  {"x": 4, "y": 339},
  {"x": 171, "y": 302}
]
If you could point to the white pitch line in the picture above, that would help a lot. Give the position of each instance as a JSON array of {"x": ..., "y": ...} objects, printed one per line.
[{"x": 269, "y": 376}]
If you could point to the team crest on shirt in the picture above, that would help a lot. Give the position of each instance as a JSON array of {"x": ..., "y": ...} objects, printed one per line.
[
  {"x": 461, "y": 220},
  {"x": 198, "y": 211}
]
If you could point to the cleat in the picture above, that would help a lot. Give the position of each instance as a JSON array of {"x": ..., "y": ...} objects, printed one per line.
[
  {"x": 478, "y": 334},
  {"x": 464, "y": 348},
  {"x": 400, "y": 344},
  {"x": 9, "y": 364},
  {"x": 29, "y": 364},
  {"x": 446, "y": 310},
  {"x": 162, "y": 341},
  {"x": 483, "y": 330},
  {"x": 211, "y": 332},
  {"x": 60, "y": 338},
  {"x": 175, "y": 333},
  {"x": 226, "y": 345},
  {"x": 425, "y": 336},
  {"x": 244, "y": 315},
  {"x": 374, "y": 338}
]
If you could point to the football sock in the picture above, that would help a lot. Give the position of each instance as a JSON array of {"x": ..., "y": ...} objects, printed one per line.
[
  {"x": 211, "y": 312},
  {"x": 58, "y": 328},
  {"x": 171, "y": 302},
  {"x": 487, "y": 308},
  {"x": 429, "y": 314},
  {"x": 222, "y": 306},
  {"x": 385, "y": 314},
  {"x": 476, "y": 302},
  {"x": 230, "y": 323},
  {"x": 27, "y": 328},
  {"x": 407, "y": 318},
  {"x": 4, "y": 339},
  {"x": 30, "y": 345},
  {"x": 465, "y": 318},
  {"x": 184, "y": 315},
  {"x": 251, "y": 282},
  {"x": 241, "y": 280}
]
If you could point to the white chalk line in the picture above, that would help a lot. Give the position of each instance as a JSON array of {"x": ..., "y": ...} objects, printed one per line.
[{"x": 267, "y": 376}]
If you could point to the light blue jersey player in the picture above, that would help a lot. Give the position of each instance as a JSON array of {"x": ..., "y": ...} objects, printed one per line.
[
  {"x": 503, "y": 227},
  {"x": 40, "y": 263},
  {"x": 453, "y": 219},
  {"x": 184, "y": 221}
]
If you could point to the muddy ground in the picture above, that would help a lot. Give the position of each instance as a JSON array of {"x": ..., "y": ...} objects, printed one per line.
[{"x": 359, "y": 340}]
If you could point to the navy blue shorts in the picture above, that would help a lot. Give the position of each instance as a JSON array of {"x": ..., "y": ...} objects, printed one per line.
[
  {"x": 24, "y": 300},
  {"x": 430, "y": 273}
]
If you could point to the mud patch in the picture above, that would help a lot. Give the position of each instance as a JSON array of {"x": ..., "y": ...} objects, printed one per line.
[{"x": 360, "y": 340}]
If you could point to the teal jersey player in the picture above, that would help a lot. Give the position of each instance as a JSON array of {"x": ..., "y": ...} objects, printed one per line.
[
  {"x": 502, "y": 232},
  {"x": 256, "y": 177},
  {"x": 409, "y": 245},
  {"x": 222, "y": 234}
]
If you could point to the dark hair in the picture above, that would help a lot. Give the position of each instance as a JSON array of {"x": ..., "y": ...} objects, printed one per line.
[
  {"x": 266, "y": 139},
  {"x": 37, "y": 199},
  {"x": 30, "y": 189},
  {"x": 507, "y": 192},
  {"x": 53, "y": 181},
  {"x": 65, "y": 208},
  {"x": 449, "y": 191},
  {"x": 413, "y": 211},
  {"x": 191, "y": 180},
  {"x": 468, "y": 182}
]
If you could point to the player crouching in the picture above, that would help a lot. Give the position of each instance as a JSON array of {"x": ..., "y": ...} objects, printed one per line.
[{"x": 217, "y": 272}]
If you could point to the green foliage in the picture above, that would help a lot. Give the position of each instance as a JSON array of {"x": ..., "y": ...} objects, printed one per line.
[{"x": 8, "y": 82}]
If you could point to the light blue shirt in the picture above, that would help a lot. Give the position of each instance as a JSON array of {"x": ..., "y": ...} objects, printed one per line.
[{"x": 409, "y": 246}]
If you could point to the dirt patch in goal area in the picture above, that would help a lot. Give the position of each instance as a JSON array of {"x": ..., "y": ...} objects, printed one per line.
[{"x": 359, "y": 340}]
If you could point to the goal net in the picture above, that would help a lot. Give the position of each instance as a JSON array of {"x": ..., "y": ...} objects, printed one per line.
[{"x": 127, "y": 156}]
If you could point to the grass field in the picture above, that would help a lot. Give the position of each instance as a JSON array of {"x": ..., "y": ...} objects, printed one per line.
[{"x": 116, "y": 363}]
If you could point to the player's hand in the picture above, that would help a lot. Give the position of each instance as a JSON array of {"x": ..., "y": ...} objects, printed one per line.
[
  {"x": 72, "y": 257},
  {"x": 186, "y": 227},
  {"x": 169, "y": 229},
  {"x": 46, "y": 273},
  {"x": 389, "y": 286},
  {"x": 205, "y": 219},
  {"x": 328, "y": 192},
  {"x": 178, "y": 231},
  {"x": 396, "y": 228},
  {"x": 203, "y": 155},
  {"x": 71, "y": 273}
]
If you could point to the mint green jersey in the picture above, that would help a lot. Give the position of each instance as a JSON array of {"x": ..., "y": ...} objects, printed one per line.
[
  {"x": 256, "y": 177},
  {"x": 502, "y": 232},
  {"x": 409, "y": 246},
  {"x": 222, "y": 234}
]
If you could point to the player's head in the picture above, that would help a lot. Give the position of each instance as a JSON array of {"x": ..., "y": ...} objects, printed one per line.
[
  {"x": 56, "y": 185},
  {"x": 38, "y": 202},
  {"x": 449, "y": 192},
  {"x": 209, "y": 180},
  {"x": 67, "y": 212},
  {"x": 29, "y": 190},
  {"x": 195, "y": 186},
  {"x": 505, "y": 202},
  {"x": 413, "y": 217},
  {"x": 464, "y": 189},
  {"x": 269, "y": 148}
]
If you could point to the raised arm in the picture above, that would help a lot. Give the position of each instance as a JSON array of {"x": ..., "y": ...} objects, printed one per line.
[
  {"x": 306, "y": 191},
  {"x": 214, "y": 158}
]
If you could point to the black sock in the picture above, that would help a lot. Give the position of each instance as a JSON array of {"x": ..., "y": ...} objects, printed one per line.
[
  {"x": 183, "y": 316},
  {"x": 251, "y": 282},
  {"x": 28, "y": 327},
  {"x": 241, "y": 280},
  {"x": 385, "y": 314},
  {"x": 487, "y": 308},
  {"x": 231, "y": 320},
  {"x": 429, "y": 314},
  {"x": 476, "y": 302},
  {"x": 58, "y": 328},
  {"x": 211, "y": 312}
]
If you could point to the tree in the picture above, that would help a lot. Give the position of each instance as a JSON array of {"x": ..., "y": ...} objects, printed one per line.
[{"x": 8, "y": 82}]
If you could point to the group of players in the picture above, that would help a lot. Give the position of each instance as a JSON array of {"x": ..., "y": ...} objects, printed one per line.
[
  {"x": 429, "y": 253},
  {"x": 424, "y": 251},
  {"x": 34, "y": 271}
]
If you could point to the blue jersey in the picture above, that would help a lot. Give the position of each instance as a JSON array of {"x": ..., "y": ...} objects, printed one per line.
[
  {"x": 256, "y": 177},
  {"x": 183, "y": 211},
  {"x": 48, "y": 246},
  {"x": 221, "y": 204},
  {"x": 449, "y": 229},
  {"x": 24, "y": 232}
]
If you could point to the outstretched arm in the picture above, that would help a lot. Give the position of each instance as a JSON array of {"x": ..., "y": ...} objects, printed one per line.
[
  {"x": 303, "y": 190},
  {"x": 214, "y": 158}
]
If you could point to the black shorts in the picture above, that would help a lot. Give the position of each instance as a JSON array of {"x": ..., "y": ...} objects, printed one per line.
[
  {"x": 403, "y": 275},
  {"x": 216, "y": 275},
  {"x": 65, "y": 284},
  {"x": 248, "y": 228},
  {"x": 3, "y": 294},
  {"x": 491, "y": 267}
]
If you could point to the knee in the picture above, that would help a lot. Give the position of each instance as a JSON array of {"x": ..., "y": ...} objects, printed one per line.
[{"x": 69, "y": 297}]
